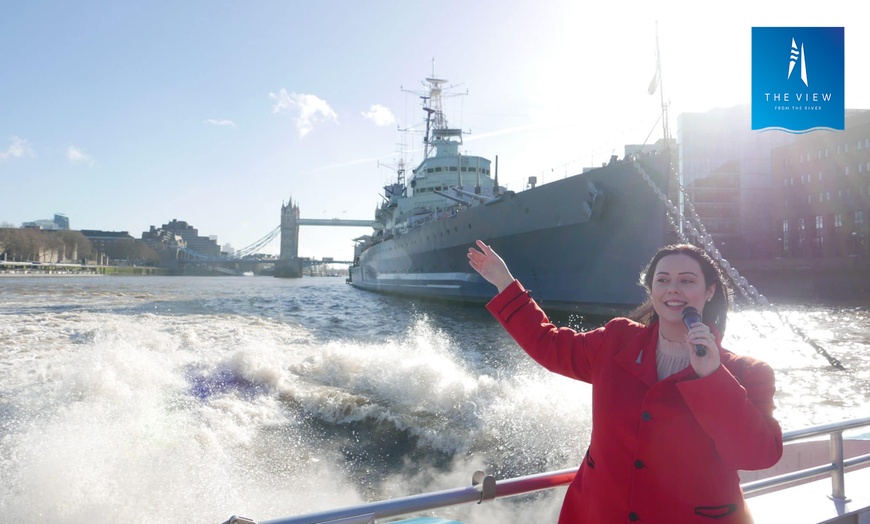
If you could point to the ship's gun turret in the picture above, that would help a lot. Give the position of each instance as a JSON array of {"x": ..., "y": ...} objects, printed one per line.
[
  {"x": 469, "y": 194},
  {"x": 453, "y": 198}
]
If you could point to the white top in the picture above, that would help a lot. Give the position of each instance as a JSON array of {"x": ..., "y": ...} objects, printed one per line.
[{"x": 671, "y": 357}]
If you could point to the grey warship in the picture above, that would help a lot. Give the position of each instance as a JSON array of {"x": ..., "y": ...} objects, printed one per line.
[{"x": 578, "y": 243}]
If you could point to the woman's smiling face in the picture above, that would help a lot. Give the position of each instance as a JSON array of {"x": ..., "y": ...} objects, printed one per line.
[{"x": 677, "y": 283}]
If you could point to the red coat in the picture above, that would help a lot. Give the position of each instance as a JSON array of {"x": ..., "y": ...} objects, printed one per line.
[{"x": 661, "y": 451}]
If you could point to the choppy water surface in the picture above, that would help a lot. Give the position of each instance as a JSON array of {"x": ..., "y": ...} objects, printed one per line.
[{"x": 124, "y": 399}]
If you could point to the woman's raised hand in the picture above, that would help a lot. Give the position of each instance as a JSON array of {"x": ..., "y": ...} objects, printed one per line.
[{"x": 490, "y": 266}]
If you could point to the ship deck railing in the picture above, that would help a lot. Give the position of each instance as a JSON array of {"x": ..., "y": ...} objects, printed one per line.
[{"x": 812, "y": 495}]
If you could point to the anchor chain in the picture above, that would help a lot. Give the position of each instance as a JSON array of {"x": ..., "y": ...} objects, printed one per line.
[{"x": 693, "y": 224}]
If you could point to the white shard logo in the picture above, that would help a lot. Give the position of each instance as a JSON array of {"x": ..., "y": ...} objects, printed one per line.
[{"x": 795, "y": 56}]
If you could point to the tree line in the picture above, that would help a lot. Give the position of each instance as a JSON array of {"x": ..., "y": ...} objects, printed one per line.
[{"x": 36, "y": 245}]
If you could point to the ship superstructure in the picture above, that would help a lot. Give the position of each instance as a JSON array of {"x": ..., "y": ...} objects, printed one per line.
[{"x": 444, "y": 183}]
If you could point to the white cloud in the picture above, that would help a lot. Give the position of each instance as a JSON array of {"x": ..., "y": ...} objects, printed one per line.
[
  {"x": 216, "y": 122},
  {"x": 77, "y": 156},
  {"x": 17, "y": 149},
  {"x": 380, "y": 115},
  {"x": 309, "y": 109}
]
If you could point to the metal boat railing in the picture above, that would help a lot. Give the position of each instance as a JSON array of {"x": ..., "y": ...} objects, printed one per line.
[
  {"x": 837, "y": 467},
  {"x": 485, "y": 487}
]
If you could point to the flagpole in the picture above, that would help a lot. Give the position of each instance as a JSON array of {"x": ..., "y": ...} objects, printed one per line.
[
  {"x": 665, "y": 130},
  {"x": 666, "y": 135}
]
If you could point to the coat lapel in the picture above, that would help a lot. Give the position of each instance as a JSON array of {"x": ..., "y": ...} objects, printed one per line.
[{"x": 638, "y": 355}]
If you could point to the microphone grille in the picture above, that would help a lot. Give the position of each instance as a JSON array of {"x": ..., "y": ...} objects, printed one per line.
[{"x": 690, "y": 311}]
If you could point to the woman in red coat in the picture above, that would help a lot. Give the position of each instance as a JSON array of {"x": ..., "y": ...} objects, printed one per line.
[{"x": 670, "y": 428}]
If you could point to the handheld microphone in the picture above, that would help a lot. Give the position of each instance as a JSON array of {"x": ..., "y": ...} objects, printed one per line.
[{"x": 691, "y": 316}]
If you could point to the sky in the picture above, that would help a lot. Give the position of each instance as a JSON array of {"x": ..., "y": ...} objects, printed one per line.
[{"x": 126, "y": 115}]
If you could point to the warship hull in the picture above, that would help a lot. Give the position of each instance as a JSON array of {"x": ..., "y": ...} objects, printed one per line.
[{"x": 578, "y": 244}]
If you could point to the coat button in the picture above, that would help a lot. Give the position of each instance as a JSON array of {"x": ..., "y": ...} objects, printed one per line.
[
  {"x": 633, "y": 516},
  {"x": 645, "y": 416},
  {"x": 638, "y": 464}
]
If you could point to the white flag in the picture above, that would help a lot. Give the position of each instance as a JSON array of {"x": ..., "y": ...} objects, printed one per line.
[{"x": 654, "y": 84}]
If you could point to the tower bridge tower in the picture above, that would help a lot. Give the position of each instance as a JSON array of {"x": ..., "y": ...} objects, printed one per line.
[{"x": 289, "y": 265}]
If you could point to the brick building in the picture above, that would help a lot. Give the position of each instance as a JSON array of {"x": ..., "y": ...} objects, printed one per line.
[{"x": 822, "y": 203}]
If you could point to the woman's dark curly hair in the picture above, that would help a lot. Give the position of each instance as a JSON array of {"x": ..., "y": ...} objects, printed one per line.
[{"x": 715, "y": 311}]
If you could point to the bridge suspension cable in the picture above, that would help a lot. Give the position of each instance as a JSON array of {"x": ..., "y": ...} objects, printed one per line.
[
  {"x": 239, "y": 253},
  {"x": 256, "y": 246}
]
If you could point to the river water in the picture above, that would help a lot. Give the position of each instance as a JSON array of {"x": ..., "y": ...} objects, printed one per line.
[{"x": 191, "y": 399}]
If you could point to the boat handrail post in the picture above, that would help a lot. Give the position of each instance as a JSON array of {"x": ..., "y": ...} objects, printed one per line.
[
  {"x": 235, "y": 519},
  {"x": 487, "y": 485},
  {"x": 838, "y": 474}
]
